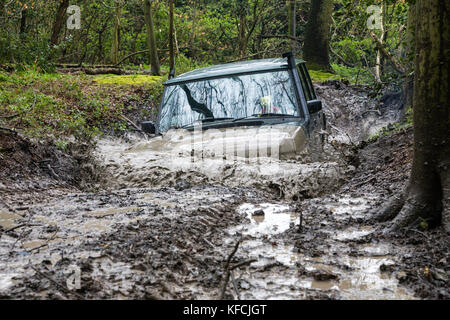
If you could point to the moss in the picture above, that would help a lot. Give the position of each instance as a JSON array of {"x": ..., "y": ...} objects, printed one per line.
[
  {"x": 133, "y": 80},
  {"x": 320, "y": 76}
]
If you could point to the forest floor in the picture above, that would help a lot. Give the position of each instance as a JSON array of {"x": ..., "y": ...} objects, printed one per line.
[{"x": 90, "y": 211}]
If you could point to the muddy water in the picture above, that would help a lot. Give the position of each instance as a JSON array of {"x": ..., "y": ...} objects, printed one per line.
[
  {"x": 161, "y": 197},
  {"x": 169, "y": 219},
  {"x": 146, "y": 164},
  {"x": 337, "y": 273}
]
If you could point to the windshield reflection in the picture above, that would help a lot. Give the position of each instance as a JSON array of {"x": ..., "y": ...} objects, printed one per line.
[{"x": 234, "y": 97}]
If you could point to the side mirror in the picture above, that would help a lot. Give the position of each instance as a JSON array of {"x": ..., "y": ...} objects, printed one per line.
[
  {"x": 148, "y": 127},
  {"x": 314, "y": 106}
]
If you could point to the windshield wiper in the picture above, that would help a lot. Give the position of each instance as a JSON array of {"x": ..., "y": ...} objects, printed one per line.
[
  {"x": 209, "y": 119},
  {"x": 263, "y": 115}
]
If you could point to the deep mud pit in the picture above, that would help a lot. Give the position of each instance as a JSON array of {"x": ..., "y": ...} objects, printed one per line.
[{"x": 163, "y": 228}]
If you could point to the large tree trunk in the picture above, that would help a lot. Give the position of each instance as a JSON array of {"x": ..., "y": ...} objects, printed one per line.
[
  {"x": 427, "y": 196},
  {"x": 59, "y": 20},
  {"x": 151, "y": 40},
  {"x": 410, "y": 48},
  {"x": 317, "y": 35}
]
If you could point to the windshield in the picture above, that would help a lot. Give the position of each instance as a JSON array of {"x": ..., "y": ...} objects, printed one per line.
[{"x": 232, "y": 98}]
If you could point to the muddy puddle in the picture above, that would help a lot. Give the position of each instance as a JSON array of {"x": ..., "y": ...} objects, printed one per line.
[{"x": 337, "y": 273}]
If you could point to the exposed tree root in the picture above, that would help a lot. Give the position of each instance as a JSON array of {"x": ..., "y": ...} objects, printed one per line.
[
  {"x": 413, "y": 212},
  {"x": 389, "y": 210}
]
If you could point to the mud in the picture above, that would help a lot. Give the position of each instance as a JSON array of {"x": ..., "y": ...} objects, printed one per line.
[{"x": 163, "y": 228}]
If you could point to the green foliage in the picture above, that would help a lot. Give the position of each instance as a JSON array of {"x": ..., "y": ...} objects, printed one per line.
[{"x": 57, "y": 105}]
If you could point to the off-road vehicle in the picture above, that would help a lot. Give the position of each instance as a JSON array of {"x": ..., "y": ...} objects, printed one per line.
[{"x": 244, "y": 100}]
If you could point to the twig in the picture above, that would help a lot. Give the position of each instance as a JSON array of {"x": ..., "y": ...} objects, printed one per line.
[
  {"x": 79, "y": 296},
  {"x": 8, "y": 130},
  {"x": 417, "y": 231},
  {"x": 10, "y": 116},
  {"x": 348, "y": 64},
  {"x": 20, "y": 226},
  {"x": 131, "y": 122},
  {"x": 243, "y": 263},
  {"x": 233, "y": 280},
  {"x": 46, "y": 242},
  {"x": 227, "y": 269}
]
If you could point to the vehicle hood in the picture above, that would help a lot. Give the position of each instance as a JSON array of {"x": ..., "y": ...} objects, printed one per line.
[{"x": 283, "y": 141}]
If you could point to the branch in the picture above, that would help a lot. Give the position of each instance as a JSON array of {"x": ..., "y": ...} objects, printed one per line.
[
  {"x": 348, "y": 64},
  {"x": 398, "y": 67},
  {"x": 286, "y": 36},
  {"x": 227, "y": 269}
]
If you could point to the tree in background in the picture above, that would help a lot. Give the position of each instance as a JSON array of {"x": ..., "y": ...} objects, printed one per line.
[
  {"x": 426, "y": 201},
  {"x": 292, "y": 21},
  {"x": 116, "y": 32},
  {"x": 317, "y": 35},
  {"x": 59, "y": 21},
  {"x": 171, "y": 49},
  {"x": 151, "y": 40}
]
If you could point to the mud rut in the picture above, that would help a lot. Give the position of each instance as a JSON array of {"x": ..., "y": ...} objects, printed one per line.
[{"x": 165, "y": 232}]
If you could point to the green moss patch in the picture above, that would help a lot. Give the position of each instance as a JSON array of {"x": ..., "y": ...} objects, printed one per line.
[{"x": 133, "y": 80}]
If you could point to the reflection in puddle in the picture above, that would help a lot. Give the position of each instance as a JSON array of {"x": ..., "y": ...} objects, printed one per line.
[
  {"x": 356, "y": 277},
  {"x": 277, "y": 218},
  {"x": 353, "y": 233}
]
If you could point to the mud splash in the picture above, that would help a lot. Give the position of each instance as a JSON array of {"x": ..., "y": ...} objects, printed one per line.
[{"x": 139, "y": 165}]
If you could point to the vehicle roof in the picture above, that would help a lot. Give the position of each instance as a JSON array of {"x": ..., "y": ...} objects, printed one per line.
[{"x": 232, "y": 69}]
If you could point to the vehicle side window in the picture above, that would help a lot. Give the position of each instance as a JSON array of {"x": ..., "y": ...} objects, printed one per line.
[
  {"x": 303, "y": 81},
  {"x": 308, "y": 86}
]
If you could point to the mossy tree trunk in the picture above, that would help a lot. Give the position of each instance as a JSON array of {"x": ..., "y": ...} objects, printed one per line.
[
  {"x": 427, "y": 197},
  {"x": 151, "y": 39},
  {"x": 317, "y": 35}
]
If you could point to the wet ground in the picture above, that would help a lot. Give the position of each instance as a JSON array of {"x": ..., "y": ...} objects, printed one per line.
[{"x": 161, "y": 229}]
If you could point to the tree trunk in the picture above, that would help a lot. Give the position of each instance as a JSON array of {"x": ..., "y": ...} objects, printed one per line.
[
  {"x": 317, "y": 34},
  {"x": 379, "y": 63},
  {"x": 292, "y": 21},
  {"x": 427, "y": 196},
  {"x": 408, "y": 88},
  {"x": 115, "y": 36},
  {"x": 151, "y": 40},
  {"x": 242, "y": 9},
  {"x": 23, "y": 22},
  {"x": 59, "y": 20},
  {"x": 171, "y": 50}
]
